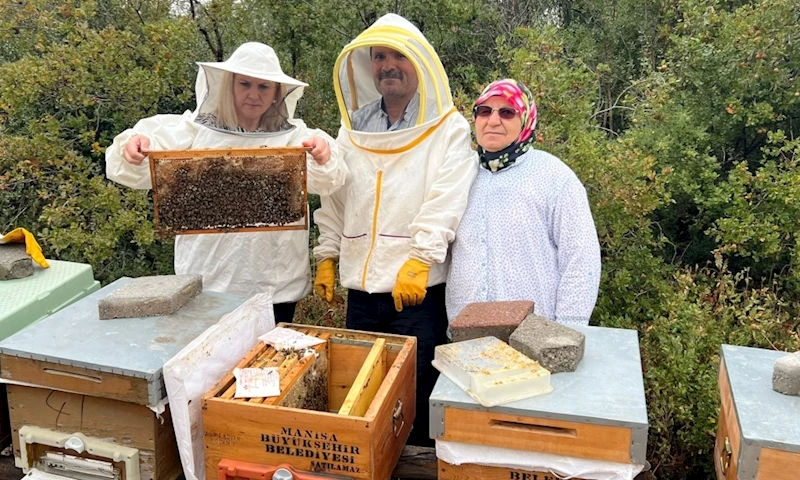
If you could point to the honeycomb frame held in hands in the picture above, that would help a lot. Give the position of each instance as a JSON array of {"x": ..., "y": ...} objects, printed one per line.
[{"x": 229, "y": 190}]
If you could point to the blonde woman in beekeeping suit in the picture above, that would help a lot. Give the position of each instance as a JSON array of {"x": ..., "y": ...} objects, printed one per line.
[
  {"x": 245, "y": 101},
  {"x": 411, "y": 166}
]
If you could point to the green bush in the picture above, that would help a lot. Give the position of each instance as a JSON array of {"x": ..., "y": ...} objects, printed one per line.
[
  {"x": 680, "y": 351},
  {"x": 637, "y": 183},
  {"x": 59, "y": 106}
]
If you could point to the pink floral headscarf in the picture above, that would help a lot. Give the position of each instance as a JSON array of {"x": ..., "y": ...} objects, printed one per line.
[{"x": 519, "y": 97}]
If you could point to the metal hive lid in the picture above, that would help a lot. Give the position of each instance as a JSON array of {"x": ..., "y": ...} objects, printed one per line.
[
  {"x": 607, "y": 388},
  {"x": 133, "y": 347}
]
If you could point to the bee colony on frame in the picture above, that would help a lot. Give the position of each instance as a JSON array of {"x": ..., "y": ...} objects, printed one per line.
[{"x": 229, "y": 190}]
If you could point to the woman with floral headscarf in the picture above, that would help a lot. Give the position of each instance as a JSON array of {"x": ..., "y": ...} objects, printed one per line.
[{"x": 528, "y": 232}]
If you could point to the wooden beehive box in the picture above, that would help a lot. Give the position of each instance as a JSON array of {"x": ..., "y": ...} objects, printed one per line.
[
  {"x": 229, "y": 190},
  {"x": 597, "y": 412},
  {"x": 97, "y": 379},
  {"x": 359, "y": 432},
  {"x": 759, "y": 428}
]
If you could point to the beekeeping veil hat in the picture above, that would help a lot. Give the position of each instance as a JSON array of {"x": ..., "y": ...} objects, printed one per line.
[
  {"x": 252, "y": 59},
  {"x": 352, "y": 72}
]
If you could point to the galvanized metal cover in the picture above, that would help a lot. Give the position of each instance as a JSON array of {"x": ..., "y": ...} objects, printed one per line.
[
  {"x": 766, "y": 418},
  {"x": 134, "y": 347},
  {"x": 606, "y": 389}
]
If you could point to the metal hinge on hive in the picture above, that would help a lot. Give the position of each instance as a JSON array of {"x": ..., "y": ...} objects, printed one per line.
[{"x": 397, "y": 416}]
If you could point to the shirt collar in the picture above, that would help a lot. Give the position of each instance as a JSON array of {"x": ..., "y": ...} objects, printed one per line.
[{"x": 408, "y": 114}]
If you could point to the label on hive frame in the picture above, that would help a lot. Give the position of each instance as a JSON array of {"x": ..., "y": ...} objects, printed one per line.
[
  {"x": 223, "y": 439},
  {"x": 323, "y": 449},
  {"x": 257, "y": 382}
]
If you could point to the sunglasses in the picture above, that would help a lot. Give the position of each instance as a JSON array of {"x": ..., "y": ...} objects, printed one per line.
[{"x": 506, "y": 113}]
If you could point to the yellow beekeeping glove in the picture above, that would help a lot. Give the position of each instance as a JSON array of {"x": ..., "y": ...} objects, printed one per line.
[
  {"x": 411, "y": 285},
  {"x": 326, "y": 277},
  {"x": 32, "y": 248}
]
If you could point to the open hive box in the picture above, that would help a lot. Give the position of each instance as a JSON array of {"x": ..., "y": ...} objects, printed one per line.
[
  {"x": 345, "y": 412},
  {"x": 229, "y": 190}
]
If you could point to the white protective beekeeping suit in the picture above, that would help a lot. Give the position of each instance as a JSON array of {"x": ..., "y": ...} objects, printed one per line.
[
  {"x": 239, "y": 263},
  {"x": 407, "y": 189}
]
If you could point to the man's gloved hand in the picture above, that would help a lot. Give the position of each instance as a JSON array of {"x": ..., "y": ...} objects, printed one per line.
[
  {"x": 411, "y": 285},
  {"x": 32, "y": 248},
  {"x": 325, "y": 279}
]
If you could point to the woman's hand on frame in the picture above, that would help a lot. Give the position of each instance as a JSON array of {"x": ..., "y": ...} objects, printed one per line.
[
  {"x": 135, "y": 150},
  {"x": 320, "y": 150}
]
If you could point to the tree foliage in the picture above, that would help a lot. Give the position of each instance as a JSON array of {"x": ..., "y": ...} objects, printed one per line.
[{"x": 60, "y": 104}]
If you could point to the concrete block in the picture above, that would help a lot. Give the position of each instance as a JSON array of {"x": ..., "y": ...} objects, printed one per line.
[
  {"x": 150, "y": 296},
  {"x": 556, "y": 347},
  {"x": 786, "y": 374},
  {"x": 14, "y": 262},
  {"x": 489, "y": 319}
]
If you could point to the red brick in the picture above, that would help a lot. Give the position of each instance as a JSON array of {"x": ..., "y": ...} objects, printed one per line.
[{"x": 496, "y": 319}]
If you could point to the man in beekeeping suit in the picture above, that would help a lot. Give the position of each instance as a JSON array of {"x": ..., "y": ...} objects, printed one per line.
[{"x": 411, "y": 166}]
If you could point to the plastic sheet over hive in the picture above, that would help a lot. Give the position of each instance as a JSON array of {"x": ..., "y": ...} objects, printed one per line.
[{"x": 230, "y": 190}]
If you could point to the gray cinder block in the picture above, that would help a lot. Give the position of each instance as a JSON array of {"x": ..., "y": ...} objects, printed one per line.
[
  {"x": 150, "y": 296},
  {"x": 14, "y": 262},
  {"x": 786, "y": 374},
  {"x": 489, "y": 319},
  {"x": 556, "y": 347}
]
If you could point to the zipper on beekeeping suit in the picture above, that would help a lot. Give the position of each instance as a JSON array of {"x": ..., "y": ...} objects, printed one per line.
[{"x": 378, "y": 184}]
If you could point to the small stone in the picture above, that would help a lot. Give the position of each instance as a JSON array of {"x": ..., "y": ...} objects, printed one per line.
[
  {"x": 14, "y": 262},
  {"x": 786, "y": 375},
  {"x": 489, "y": 319},
  {"x": 556, "y": 347},
  {"x": 150, "y": 296}
]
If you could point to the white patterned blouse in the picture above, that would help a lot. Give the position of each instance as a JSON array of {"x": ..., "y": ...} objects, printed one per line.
[{"x": 527, "y": 234}]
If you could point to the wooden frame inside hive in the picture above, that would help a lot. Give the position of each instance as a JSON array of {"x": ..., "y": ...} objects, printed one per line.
[
  {"x": 303, "y": 380},
  {"x": 229, "y": 190}
]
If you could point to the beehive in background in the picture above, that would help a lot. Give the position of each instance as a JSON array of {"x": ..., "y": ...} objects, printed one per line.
[
  {"x": 229, "y": 190},
  {"x": 758, "y": 434},
  {"x": 25, "y": 301}
]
